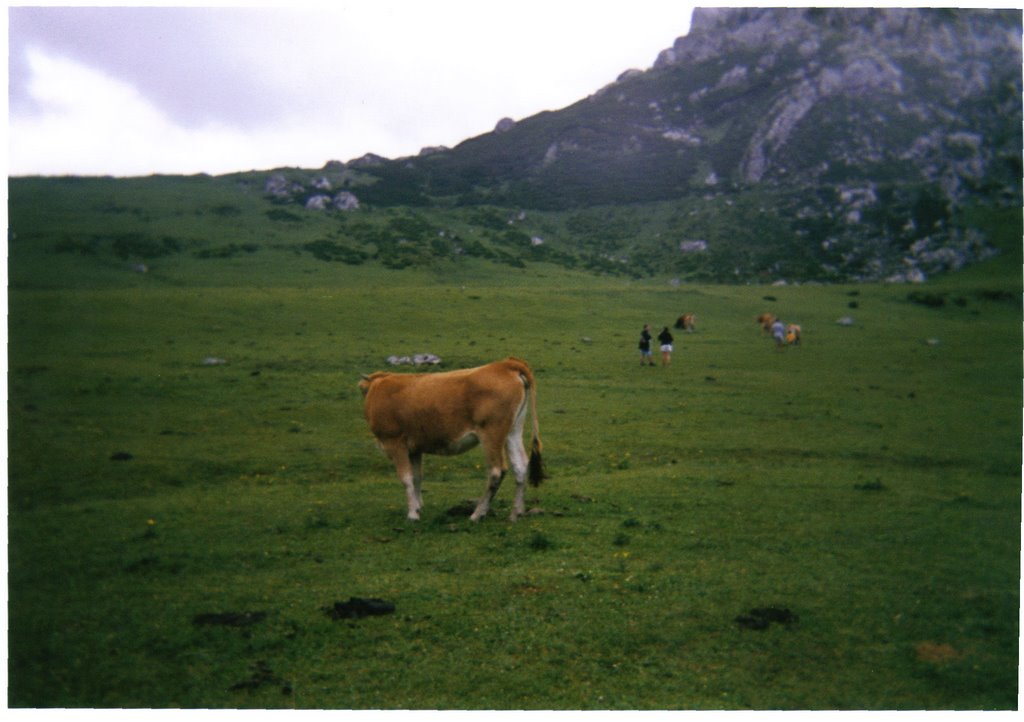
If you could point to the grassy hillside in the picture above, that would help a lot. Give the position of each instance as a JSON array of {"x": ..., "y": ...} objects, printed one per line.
[
  {"x": 177, "y": 527},
  {"x": 95, "y": 231}
]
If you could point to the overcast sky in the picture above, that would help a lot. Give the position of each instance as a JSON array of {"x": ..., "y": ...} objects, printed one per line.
[{"x": 140, "y": 90}]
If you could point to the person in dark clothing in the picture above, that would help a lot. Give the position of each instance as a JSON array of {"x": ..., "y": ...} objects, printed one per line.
[
  {"x": 645, "y": 346},
  {"x": 665, "y": 337}
]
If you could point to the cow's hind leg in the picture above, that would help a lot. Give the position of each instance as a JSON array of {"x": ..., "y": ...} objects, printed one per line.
[
  {"x": 519, "y": 461},
  {"x": 495, "y": 473}
]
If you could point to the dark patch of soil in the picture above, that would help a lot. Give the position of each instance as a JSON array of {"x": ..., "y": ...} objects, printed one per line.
[
  {"x": 148, "y": 564},
  {"x": 936, "y": 652},
  {"x": 357, "y": 608},
  {"x": 262, "y": 676},
  {"x": 465, "y": 508},
  {"x": 229, "y": 619},
  {"x": 760, "y": 618}
]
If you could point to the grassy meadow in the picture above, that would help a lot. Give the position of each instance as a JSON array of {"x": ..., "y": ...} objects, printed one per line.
[{"x": 177, "y": 527}]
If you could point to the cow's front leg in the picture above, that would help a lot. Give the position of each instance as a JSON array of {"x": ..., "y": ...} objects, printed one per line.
[
  {"x": 417, "y": 480},
  {"x": 406, "y": 468}
]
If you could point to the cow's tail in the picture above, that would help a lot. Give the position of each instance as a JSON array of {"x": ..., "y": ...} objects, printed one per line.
[
  {"x": 536, "y": 471},
  {"x": 536, "y": 468}
]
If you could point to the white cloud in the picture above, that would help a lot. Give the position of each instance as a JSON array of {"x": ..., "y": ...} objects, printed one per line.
[
  {"x": 89, "y": 124},
  {"x": 302, "y": 86}
]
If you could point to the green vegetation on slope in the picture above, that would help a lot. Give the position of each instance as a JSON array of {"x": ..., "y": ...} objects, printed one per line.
[{"x": 63, "y": 227}]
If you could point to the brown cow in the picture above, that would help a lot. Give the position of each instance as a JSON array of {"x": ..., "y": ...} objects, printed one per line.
[
  {"x": 793, "y": 334},
  {"x": 766, "y": 320},
  {"x": 687, "y": 322},
  {"x": 448, "y": 413}
]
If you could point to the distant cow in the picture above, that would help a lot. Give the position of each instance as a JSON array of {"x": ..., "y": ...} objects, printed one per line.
[
  {"x": 793, "y": 334},
  {"x": 766, "y": 320},
  {"x": 448, "y": 413},
  {"x": 687, "y": 322}
]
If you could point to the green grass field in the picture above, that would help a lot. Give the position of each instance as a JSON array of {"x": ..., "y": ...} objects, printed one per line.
[{"x": 868, "y": 481}]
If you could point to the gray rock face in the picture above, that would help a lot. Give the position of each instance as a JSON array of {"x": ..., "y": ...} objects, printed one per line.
[
  {"x": 504, "y": 125},
  {"x": 345, "y": 201},
  {"x": 961, "y": 51},
  {"x": 848, "y": 137}
]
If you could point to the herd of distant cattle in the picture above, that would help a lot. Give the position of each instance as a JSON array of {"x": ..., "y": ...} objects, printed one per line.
[
  {"x": 770, "y": 323},
  {"x": 450, "y": 412},
  {"x": 782, "y": 333}
]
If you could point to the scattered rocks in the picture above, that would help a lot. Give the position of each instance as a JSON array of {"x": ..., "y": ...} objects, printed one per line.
[
  {"x": 213, "y": 361},
  {"x": 420, "y": 359},
  {"x": 312, "y": 193},
  {"x": 845, "y": 321}
]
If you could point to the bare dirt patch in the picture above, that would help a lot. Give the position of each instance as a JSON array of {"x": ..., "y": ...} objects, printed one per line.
[{"x": 936, "y": 652}]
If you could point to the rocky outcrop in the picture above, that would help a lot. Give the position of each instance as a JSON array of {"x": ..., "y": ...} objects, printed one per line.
[
  {"x": 504, "y": 125},
  {"x": 312, "y": 193},
  {"x": 279, "y": 186},
  {"x": 345, "y": 201},
  {"x": 862, "y": 130},
  {"x": 368, "y": 160},
  {"x": 925, "y": 63}
]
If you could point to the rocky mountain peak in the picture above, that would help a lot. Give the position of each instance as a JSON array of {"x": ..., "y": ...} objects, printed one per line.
[{"x": 866, "y": 127}]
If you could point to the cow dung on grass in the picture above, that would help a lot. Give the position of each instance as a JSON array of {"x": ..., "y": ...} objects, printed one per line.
[
  {"x": 357, "y": 608},
  {"x": 760, "y": 618},
  {"x": 262, "y": 676},
  {"x": 228, "y": 619}
]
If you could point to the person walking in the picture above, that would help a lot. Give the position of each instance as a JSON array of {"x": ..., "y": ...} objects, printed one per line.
[
  {"x": 645, "y": 346},
  {"x": 665, "y": 338},
  {"x": 779, "y": 334}
]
